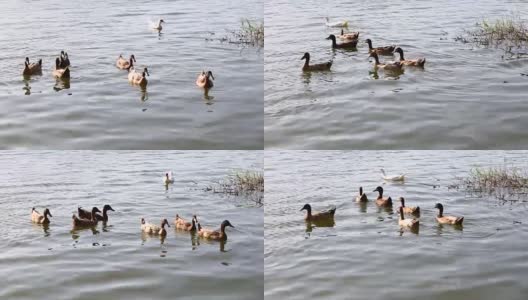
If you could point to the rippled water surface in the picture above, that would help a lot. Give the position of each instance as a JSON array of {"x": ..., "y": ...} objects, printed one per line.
[
  {"x": 117, "y": 261},
  {"x": 365, "y": 256},
  {"x": 465, "y": 98},
  {"x": 99, "y": 109}
]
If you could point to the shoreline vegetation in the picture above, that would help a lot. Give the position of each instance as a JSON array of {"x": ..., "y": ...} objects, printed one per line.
[
  {"x": 245, "y": 183},
  {"x": 509, "y": 33},
  {"x": 250, "y": 33},
  {"x": 508, "y": 184}
]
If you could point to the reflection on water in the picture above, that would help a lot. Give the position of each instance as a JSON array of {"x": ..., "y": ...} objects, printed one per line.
[
  {"x": 27, "y": 87},
  {"x": 42, "y": 227},
  {"x": 61, "y": 84}
]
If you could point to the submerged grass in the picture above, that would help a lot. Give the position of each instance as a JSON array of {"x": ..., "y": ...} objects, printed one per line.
[
  {"x": 507, "y": 33},
  {"x": 246, "y": 183},
  {"x": 250, "y": 33},
  {"x": 504, "y": 183}
]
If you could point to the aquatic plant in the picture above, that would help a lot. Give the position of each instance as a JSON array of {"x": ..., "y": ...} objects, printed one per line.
[
  {"x": 504, "y": 183},
  {"x": 250, "y": 33},
  {"x": 248, "y": 183},
  {"x": 507, "y": 33}
]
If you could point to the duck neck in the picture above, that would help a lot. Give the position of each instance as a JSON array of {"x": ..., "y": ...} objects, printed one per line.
[
  {"x": 193, "y": 227},
  {"x": 402, "y": 217},
  {"x": 370, "y": 45},
  {"x": 105, "y": 215},
  {"x": 307, "y": 62},
  {"x": 222, "y": 231},
  {"x": 361, "y": 191},
  {"x": 334, "y": 43},
  {"x": 440, "y": 212},
  {"x": 380, "y": 194},
  {"x": 309, "y": 212},
  {"x": 402, "y": 202},
  {"x": 46, "y": 218},
  {"x": 401, "y": 56}
]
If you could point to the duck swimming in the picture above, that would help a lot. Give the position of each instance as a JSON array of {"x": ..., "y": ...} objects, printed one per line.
[
  {"x": 82, "y": 222},
  {"x": 447, "y": 219},
  {"x": 414, "y": 210},
  {"x": 400, "y": 177},
  {"x": 348, "y": 44},
  {"x": 218, "y": 235},
  {"x": 33, "y": 68},
  {"x": 154, "y": 229},
  {"x": 409, "y": 223},
  {"x": 136, "y": 78},
  {"x": 390, "y": 66},
  {"x": 362, "y": 197},
  {"x": 59, "y": 72},
  {"x": 124, "y": 64},
  {"x": 36, "y": 217},
  {"x": 104, "y": 217},
  {"x": 318, "y": 216},
  {"x": 381, "y": 201},
  {"x": 317, "y": 67},
  {"x": 182, "y": 224},
  {"x": 336, "y": 24},
  {"x": 158, "y": 25},
  {"x": 205, "y": 80},
  {"x": 419, "y": 62},
  {"x": 348, "y": 36},
  {"x": 387, "y": 50},
  {"x": 64, "y": 60},
  {"x": 167, "y": 179}
]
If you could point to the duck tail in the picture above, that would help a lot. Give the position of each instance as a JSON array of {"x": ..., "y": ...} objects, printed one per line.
[
  {"x": 332, "y": 210},
  {"x": 345, "y": 24},
  {"x": 67, "y": 71},
  {"x": 459, "y": 220}
]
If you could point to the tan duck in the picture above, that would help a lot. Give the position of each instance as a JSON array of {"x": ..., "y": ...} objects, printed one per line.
[
  {"x": 414, "y": 210},
  {"x": 86, "y": 222},
  {"x": 32, "y": 68},
  {"x": 64, "y": 60},
  {"x": 154, "y": 229},
  {"x": 419, "y": 62},
  {"x": 348, "y": 44},
  {"x": 182, "y": 224},
  {"x": 205, "y": 80},
  {"x": 136, "y": 78},
  {"x": 382, "y": 201},
  {"x": 348, "y": 36},
  {"x": 447, "y": 219},
  {"x": 317, "y": 67},
  {"x": 387, "y": 50},
  {"x": 218, "y": 235},
  {"x": 124, "y": 64},
  {"x": 36, "y": 217},
  {"x": 62, "y": 73},
  {"x": 390, "y": 66},
  {"x": 409, "y": 223},
  {"x": 362, "y": 197},
  {"x": 318, "y": 216}
]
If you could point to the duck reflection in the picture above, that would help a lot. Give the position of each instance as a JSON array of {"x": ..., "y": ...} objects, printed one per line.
[
  {"x": 44, "y": 227},
  {"x": 61, "y": 84},
  {"x": 76, "y": 231},
  {"x": 27, "y": 87}
]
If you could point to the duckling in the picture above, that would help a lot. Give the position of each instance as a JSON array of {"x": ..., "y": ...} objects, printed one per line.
[
  {"x": 104, "y": 217},
  {"x": 419, "y": 62},
  {"x": 167, "y": 179},
  {"x": 380, "y": 200},
  {"x": 124, "y": 64},
  {"x": 362, "y": 197},
  {"x": 63, "y": 73},
  {"x": 36, "y": 217},
  {"x": 410, "y": 223},
  {"x": 82, "y": 222},
  {"x": 184, "y": 225},
  {"x": 348, "y": 44},
  {"x": 158, "y": 26},
  {"x": 138, "y": 78},
  {"x": 64, "y": 60},
  {"x": 390, "y": 66},
  {"x": 348, "y": 36},
  {"x": 318, "y": 216},
  {"x": 33, "y": 68},
  {"x": 154, "y": 229},
  {"x": 317, "y": 67},
  {"x": 204, "y": 80},
  {"x": 447, "y": 219},
  {"x": 409, "y": 210},
  {"x": 218, "y": 235},
  {"x": 387, "y": 50},
  {"x": 336, "y": 24}
]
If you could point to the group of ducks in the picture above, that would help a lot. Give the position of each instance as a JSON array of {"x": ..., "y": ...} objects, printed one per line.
[
  {"x": 61, "y": 71},
  {"x": 386, "y": 202},
  {"x": 350, "y": 41},
  {"x": 85, "y": 218}
]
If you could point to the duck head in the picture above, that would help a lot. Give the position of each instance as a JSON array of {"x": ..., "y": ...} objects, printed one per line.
[
  {"x": 95, "y": 210},
  {"x": 145, "y": 71},
  {"x": 400, "y": 51},
  {"x": 142, "y": 221},
  {"x": 226, "y": 223},
  {"x": 165, "y": 222},
  {"x": 307, "y": 207},
  {"x": 47, "y": 213},
  {"x": 379, "y": 189},
  {"x": 369, "y": 42},
  {"x": 132, "y": 58},
  {"x": 210, "y": 74},
  {"x": 306, "y": 56},
  {"x": 107, "y": 207},
  {"x": 331, "y": 37},
  {"x": 440, "y": 207}
]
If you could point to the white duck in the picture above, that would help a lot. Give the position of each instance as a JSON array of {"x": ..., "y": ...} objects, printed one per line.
[
  {"x": 400, "y": 177},
  {"x": 336, "y": 24},
  {"x": 158, "y": 26},
  {"x": 168, "y": 179}
]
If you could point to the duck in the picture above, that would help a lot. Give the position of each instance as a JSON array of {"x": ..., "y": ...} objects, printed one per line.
[
  {"x": 218, "y": 235},
  {"x": 137, "y": 78},
  {"x": 348, "y": 36},
  {"x": 390, "y": 66},
  {"x": 387, "y": 50},
  {"x": 86, "y": 222},
  {"x": 336, "y": 24},
  {"x": 447, "y": 219},
  {"x": 380, "y": 200},
  {"x": 182, "y": 224},
  {"x": 124, "y": 64},
  {"x": 154, "y": 229},
  {"x": 59, "y": 72},
  {"x": 414, "y": 210},
  {"x": 348, "y": 44},
  {"x": 33, "y": 68},
  {"x": 317, "y": 67},
  {"x": 409, "y": 223},
  {"x": 400, "y": 177},
  {"x": 64, "y": 60},
  {"x": 205, "y": 80},
  {"x": 167, "y": 179},
  {"x": 104, "y": 217},
  {"x": 158, "y": 26},
  {"x": 36, "y": 217},
  {"x": 419, "y": 62},
  {"x": 362, "y": 197},
  {"x": 318, "y": 216}
]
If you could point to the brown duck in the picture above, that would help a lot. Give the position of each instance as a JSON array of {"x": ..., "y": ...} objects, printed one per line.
[
  {"x": 419, "y": 62},
  {"x": 32, "y": 68},
  {"x": 387, "y": 50},
  {"x": 182, "y": 224},
  {"x": 362, "y": 197},
  {"x": 348, "y": 44},
  {"x": 447, "y": 219},
  {"x": 381, "y": 201},
  {"x": 218, "y": 235},
  {"x": 317, "y": 67},
  {"x": 413, "y": 210},
  {"x": 318, "y": 216},
  {"x": 82, "y": 222}
]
